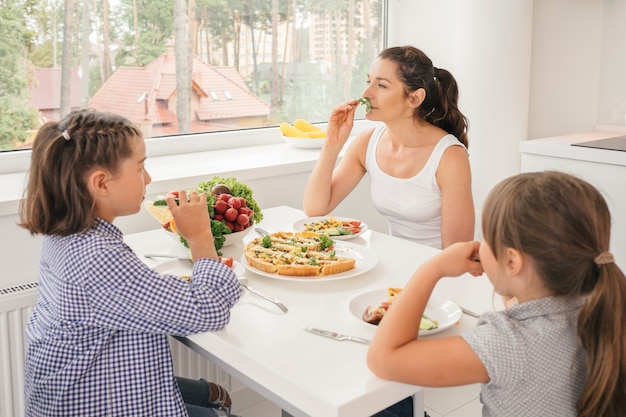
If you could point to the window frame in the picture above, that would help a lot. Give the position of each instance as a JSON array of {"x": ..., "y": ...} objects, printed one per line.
[{"x": 15, "y": 161}]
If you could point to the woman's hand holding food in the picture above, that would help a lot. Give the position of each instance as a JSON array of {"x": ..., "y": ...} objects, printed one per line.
[
  {"x": 192, "y": 222},
  {"x": 340, "y": 124}
]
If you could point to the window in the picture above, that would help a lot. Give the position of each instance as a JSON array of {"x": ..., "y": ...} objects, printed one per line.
[{"x": 298, "y": 60}]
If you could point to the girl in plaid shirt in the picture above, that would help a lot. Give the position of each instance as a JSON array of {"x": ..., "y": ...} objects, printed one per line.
[{"x": 98, "y": 335}]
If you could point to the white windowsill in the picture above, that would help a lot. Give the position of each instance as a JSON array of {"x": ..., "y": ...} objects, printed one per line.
[
  {"x": 192, "y": 165},
  {"x": 242, "y": 163}
]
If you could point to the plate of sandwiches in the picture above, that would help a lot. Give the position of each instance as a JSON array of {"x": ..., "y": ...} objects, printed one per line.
[{"x": 306, "y": 256}]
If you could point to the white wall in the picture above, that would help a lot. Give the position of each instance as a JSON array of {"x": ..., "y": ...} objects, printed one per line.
[{"x": 526, "y": 69}]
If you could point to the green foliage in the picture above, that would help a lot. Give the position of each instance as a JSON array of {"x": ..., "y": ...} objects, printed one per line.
[
  {"x": 17, "y": 121},
  {"x": 155, "y": 27}
]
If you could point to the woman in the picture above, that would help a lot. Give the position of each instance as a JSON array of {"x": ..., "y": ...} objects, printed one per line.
[{"x": 417, "y": 159}]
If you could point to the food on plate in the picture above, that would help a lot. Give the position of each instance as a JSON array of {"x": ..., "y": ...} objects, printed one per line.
[
  {"x": 226, "y": 261},
  {"x": 374, "y": 315},
  {"x": 301, "y": 129},
  {"x": 366, "y": 102},
  {"x": 334, "y": 227},
  {"x": 296, "y": 254},
  {"x": 230, "y": 212}
]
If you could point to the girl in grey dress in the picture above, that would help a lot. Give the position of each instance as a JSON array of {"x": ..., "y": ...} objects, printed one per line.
[{"x": 560, "y": 350}]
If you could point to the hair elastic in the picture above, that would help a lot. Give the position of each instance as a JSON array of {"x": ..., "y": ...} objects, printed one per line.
[
  {"x": 604, "y": 258},
  {"x": 435, "y": 72},
  {"x": 66, "y": 135}
]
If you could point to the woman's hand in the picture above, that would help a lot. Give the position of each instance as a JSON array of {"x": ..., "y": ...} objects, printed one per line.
[{"x": 340, "y": 123}]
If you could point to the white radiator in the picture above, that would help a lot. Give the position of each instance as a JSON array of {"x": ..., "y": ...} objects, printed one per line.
[{"x": 16, "y": 304}]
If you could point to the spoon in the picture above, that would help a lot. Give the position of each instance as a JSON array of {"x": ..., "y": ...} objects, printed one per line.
[{"x": 244, "y": 283}]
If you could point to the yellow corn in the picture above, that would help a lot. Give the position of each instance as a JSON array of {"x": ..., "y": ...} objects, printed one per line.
[
  {"x": 291, "y": 131},
  {"x": 316, "y": 134},
  {"x": 305, "y": 126}
]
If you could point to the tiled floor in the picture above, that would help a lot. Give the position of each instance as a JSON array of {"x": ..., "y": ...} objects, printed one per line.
[{"x": 439, "y": 402}]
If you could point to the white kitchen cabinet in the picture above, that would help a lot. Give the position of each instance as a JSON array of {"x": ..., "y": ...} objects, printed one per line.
[{"x": 605, "y": 169}]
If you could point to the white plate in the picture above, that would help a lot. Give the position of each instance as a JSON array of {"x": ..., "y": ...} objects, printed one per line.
[
  {"x": 305, "y": 143},
  {"x": 445, "y": 312},
  {"x": 299, "y": 226},
  {"x": 182, "y": 267},
  {"x": 365, "y": 258}
]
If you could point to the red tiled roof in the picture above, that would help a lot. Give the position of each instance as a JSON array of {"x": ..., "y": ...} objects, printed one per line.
[
  {"x": 157, "y": 79},
  {"x": 45, "y": 94}
]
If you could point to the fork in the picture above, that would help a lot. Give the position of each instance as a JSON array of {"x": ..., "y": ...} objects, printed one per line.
[{"x": 244, "y": 283}]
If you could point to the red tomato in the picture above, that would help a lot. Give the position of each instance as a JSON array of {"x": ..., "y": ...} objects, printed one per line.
[
  {"x": 227, "y": 261},
  {"x": 355, "y": 223}
]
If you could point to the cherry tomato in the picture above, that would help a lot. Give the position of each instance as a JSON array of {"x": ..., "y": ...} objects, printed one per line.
[{"x": 227, "y": 261}]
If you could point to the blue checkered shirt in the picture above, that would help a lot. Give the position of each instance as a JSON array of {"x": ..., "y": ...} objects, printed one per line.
[{"x": 98, "y": 335}]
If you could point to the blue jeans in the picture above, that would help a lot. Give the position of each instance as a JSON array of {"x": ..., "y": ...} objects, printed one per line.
[
  {"x": 402, "y": 408},
  {"x": 196, "y": 394}
]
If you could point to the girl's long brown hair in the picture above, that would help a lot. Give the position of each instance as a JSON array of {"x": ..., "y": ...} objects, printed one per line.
[
  {"x": 563, "y": 223},
  {"x": 56, "y": 199},
  {"x": 440, "y": 107}
]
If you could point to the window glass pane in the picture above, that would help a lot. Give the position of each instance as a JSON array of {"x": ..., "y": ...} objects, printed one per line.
[{"x": 177, "y": 67}]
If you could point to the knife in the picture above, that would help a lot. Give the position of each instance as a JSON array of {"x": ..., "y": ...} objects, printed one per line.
[{"x": 335, "y": 335}]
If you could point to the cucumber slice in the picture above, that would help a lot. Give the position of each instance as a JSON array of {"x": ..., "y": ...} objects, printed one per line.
[{"x": 427, "y": 324}]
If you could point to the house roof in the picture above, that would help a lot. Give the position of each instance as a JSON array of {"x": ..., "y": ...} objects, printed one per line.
[
  {"x": 221, "y": 91},
  {"x": 45, "y": 94}
]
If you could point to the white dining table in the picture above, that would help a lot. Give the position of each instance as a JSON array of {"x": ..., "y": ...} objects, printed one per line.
[{"x": 305, "y": 374}]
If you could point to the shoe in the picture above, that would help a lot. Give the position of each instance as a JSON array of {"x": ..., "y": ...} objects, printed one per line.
[{"x": 219, "y": 397}]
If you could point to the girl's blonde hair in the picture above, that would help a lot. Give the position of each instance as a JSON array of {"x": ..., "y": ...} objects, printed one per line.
[
  {"x": 563, "y": 223},
  {"x": 56, "y": 200}
]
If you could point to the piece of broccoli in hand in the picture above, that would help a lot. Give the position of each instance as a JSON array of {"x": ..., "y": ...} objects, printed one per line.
[{"x": 366, "y": 101}]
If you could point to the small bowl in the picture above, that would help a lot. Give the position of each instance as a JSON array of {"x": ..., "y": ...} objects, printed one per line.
[
  {"x": 230, "y": 239},
  {"x": 236, "y": 237},
  {"x": 305, "y": 143}
]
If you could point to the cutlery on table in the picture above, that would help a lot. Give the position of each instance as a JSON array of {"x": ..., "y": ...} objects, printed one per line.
[
  {"x": 165, "y": 255},
  {"x": 261, "y": 232},
  {"x": 336, "y": 336},
  {"x": 470, "y": 312},
  {"x": 244, "y": 283}
]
